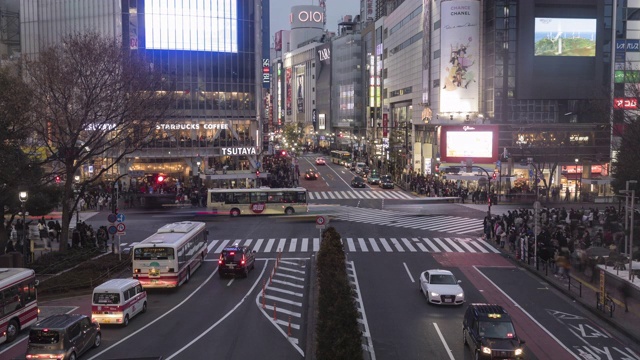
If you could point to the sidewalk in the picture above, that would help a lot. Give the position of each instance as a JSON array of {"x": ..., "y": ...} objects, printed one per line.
[{"x": 583, "y": 287}]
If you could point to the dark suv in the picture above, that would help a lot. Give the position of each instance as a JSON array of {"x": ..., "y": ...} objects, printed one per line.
[
  {"x": 65, "y": 336},
  {"x": 236, "y": 260},
  {"x": 489, "y": 332}
]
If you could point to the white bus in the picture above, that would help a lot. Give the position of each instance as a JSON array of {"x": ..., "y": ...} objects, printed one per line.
[
  {"x": 258, "y": 201},
  {"x": 117, "y": 301},
  {"x": 167, "y": 258},
  {"x": 18, "y": 301}
]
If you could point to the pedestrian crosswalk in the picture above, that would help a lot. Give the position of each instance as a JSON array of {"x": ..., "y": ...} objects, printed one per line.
[
  {"x": 444, "y": 223},
  {"x": 362, "y": 194},
  {"x": 364, "y": 245}
]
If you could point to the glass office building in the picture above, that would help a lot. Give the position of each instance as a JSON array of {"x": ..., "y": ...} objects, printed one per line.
[{"x": 211, "y": 54}]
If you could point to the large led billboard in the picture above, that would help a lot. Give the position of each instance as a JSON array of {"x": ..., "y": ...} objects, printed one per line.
[
  {"x": 476, "y": 142},
  {"x": 565, "y": 37},
  {"x": 195, "y": 25}
]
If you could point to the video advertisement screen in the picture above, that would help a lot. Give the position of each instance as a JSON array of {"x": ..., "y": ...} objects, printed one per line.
[
  {"x": 477, "y": 142},
  {"x": 195, "y": 25},
  {"x": 565, "y": 37}
]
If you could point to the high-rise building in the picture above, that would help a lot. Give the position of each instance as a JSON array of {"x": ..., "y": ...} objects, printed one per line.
[{"x": 211, "y": 54}]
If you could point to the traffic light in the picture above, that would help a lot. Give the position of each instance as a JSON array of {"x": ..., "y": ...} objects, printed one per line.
[
  {"x": 58, "y": 179},
  {"x": 159, "y": 179},
  {"x": 257, "y": 173},
  {"x": 494, "y": 176}
]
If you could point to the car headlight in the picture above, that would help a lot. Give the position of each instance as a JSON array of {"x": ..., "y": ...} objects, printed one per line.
[
  {"x": 486, "y": 350},
  {"x": 460, "y": 295},
  {"x": 434, "y": 294},
  {"x": 518, "y": 352}
]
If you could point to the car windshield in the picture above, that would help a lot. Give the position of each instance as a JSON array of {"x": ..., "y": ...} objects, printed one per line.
[
  {"x": 442, "y": 280},
  {"x": 386, "y": 177},
  {"x": 44, "y": 336},
  {"x": 497, "y": 329}
]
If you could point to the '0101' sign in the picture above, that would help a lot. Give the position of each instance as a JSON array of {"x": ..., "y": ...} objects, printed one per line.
[{"x": 308, "y": 16}]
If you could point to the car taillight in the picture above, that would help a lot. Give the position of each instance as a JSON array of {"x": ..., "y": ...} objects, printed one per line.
[
  {"x": 220, "y": 261},
  {"x": 242, "y": 262},
  {"x": 316, "y": 175}
]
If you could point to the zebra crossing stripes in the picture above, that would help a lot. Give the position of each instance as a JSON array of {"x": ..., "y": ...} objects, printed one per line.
[
  {"x": 365, "y": 245},
  {"x": 444, "y": 223},
  {"x": 362, "y": 194}
]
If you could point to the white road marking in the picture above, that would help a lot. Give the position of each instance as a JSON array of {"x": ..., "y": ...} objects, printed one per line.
[
  {"x": 408, "y": 272},
  {"x": 444, "y": 342}
]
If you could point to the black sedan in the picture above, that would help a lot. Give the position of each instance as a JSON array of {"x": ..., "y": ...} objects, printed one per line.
[
  {"x": 357, "y": 182},
  {"x": 386, "y": 182},
  {"x": 311, "y": 175}
]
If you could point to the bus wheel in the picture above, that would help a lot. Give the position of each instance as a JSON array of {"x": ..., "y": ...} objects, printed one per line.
[
  {"x": 289, "y": 211},
  {"x": 188, "y": 275},
  {"x": 12, "y": 330},
  {"x": 234, "y": 212}
]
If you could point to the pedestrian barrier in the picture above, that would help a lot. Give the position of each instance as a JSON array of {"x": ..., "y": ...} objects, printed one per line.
[{"x": 608, "y": 306}]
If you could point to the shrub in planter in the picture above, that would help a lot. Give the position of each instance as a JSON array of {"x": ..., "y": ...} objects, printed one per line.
[{"x": 338, "y": 335}]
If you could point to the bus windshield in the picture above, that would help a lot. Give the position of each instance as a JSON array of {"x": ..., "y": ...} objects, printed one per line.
[{"x": 153, "y": 253}]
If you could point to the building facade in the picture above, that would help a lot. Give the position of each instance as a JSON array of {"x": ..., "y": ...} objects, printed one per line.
[
  {"x": 485, "y": 73},
  {"x": 211, "y": 53}
]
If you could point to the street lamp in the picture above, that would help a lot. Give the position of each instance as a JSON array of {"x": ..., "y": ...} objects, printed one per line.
[
  {"x": 23, "y": 196},
  {"x": 77, "y": 191},
  {"x": 576, "y": 194}
]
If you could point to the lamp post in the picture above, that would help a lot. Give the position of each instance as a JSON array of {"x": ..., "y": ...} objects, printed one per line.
[
  {"x": 576, "y": 193},
  {"x": 77, "y": 191},
  {"x": 23, "y": 196}
]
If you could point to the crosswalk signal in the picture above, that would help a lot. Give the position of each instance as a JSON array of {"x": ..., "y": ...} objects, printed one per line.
[
  {"x": 257, "y": 173},
  {"x": 494, "y": 176},
  {"x": 58, "y": 179}
]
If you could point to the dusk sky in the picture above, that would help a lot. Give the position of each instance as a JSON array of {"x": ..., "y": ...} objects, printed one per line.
[{"x": 336, "y": 9}]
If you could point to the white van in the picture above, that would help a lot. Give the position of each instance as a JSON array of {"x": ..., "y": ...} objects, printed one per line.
[
  {"x": 360, "y": 167},
  {"x": 118, "y": 300}
]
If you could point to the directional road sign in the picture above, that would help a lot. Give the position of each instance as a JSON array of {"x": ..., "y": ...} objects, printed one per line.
[{"x": 120, "y": 218}]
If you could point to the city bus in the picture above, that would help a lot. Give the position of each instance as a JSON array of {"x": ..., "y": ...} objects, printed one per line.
[
  {"x": 167, "y": 258},
  {"x": 18, "y": 301},
  {"x": 340, "y": 157},
  {"x": 258, "y": 201}
]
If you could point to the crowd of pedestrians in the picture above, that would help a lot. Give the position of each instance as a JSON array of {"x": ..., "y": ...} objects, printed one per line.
[
  {"x": 283, "y": 173},
  {"x": 565, "y": 238}
]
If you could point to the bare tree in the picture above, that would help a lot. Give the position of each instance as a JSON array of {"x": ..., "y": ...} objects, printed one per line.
[
  {"x": 15, "y": 126},
  {"x": 93, "y": 99}
]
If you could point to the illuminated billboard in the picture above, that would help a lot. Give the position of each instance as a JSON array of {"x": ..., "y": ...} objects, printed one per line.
[
  {"x": 476, "y": 142},
  {"x": 565, "y": 37},
  {"x": 460, "y": 62},
  {"x": 195, "y": 25}
]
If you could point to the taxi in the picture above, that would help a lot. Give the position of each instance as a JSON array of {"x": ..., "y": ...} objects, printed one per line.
[{"x": 487, "y": 329}]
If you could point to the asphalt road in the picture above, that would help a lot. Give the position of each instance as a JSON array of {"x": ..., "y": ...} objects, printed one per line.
[{"x": 389, "y": 241}]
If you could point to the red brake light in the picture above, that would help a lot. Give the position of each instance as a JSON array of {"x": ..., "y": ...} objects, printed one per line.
[
  {"x": 232, "y": 253},
  {"x": 220, "y": 260},
  {"x": 242, "y": 261}
]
